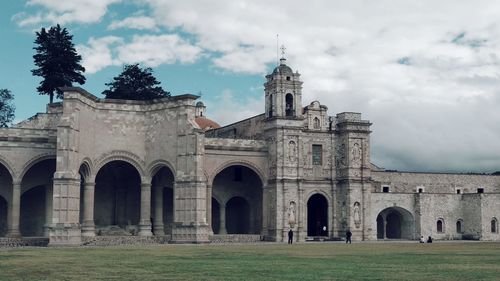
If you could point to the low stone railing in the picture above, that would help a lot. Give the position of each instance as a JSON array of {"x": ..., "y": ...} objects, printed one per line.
[{"x": 6, "y": 242}]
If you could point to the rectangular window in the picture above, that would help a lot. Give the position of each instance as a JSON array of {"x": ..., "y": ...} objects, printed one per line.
[
  {"x": 459, "y": 191},
  {"x": 480, "y": 190},
  {"x": 317, "y": 157},
  {"x": 385, "y": 189}
]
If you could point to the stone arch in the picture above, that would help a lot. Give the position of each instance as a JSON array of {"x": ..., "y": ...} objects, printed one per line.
[
  {"x": 156, "y": 165},
  {"x": 440, "y": 227},
  {"x": 395, "y": 223},
  {"x": 120, "y": 155},
  {"x": 33, "y": 161},
  {"x": 494, "y": 225},
  {"x": 318, "y": 214},
  {"x": 237, "y": 179},
  {"x": 239, "y": 162},
  {"x": 8, "y": 166},
  {"x": 85, "y": 169},
  {"x": 117, "y": 197},
  {"x": 162, "y": 196},
  {"x": 459, "y": 226},
  {"x": 319, "y": 191}
]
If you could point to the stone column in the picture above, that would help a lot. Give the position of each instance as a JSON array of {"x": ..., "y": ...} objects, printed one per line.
[
  {"x": 158, "y": 228},
  {"x": 209, "y": 209},
  {"x": 48, "y": 209},
  {"x": 222, "y": 228},
  {"x": 145, "y": 219},
  {"x": 88, "y": 226},
  {"x": 14, "y": 211}
]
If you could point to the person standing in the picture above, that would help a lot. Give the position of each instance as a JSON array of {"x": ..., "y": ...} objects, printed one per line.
[
  {"x": 290, "y": 236},
  {"x": 348, "y": 236}
]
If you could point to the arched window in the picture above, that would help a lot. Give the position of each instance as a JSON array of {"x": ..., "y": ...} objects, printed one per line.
[
  {"x": 289, "y": 110},
  {"x": 316, "y": 123},
  {"x": 270, "y": 105},
  {"x": 459, "y": 226},
  {"x": 440, "y": 226},
  {"x": 494, "y": 225}
]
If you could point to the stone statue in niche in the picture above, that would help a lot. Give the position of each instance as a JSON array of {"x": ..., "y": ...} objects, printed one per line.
[
  {"x": 292, "y": 151},
  {"x": 291, "y": 214},
  {"x": 357, "y": 215},
  {"x": 356, "y": 154}
]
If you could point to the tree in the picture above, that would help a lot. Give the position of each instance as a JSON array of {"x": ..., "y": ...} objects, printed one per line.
[
  {"x": 57, "y": 61},
  {"x": 7, "y": 108},
  {"x": 135, "y": 83}
]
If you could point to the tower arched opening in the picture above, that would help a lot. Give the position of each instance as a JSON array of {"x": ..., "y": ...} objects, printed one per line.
[{"x": 5, "y": 192}]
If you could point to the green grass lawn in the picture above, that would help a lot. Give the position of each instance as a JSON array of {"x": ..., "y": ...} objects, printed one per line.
[{"x": 305, "y": 261}]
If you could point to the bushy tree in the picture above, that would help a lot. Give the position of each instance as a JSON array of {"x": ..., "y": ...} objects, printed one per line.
[
  {"x": 57, "y": 61},
  {"x": 7, "y": 108},
  {"x": 135, "y": 83}
]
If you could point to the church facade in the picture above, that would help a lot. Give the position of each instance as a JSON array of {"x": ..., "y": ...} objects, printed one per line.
[{"x": 92, "y": 167}]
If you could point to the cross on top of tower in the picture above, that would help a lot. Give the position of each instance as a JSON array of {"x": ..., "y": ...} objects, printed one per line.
[{"x": 282, "y": 51}]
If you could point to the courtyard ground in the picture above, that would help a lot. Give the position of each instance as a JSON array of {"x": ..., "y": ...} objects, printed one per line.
[{"x": 262, "y": 261}]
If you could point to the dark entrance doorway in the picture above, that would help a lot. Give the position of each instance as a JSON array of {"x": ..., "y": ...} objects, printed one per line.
[
  {"x": 237, "y": 216},
  {"x": 395, "y": 223},
  {"x": 215, "y": 216},
  {"x": 317, "y": 216}
]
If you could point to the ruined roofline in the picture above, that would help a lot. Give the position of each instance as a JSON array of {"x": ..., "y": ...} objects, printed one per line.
[
  {"x": 90, "y": 96},
  {"x": 433, "y": 173},
  {"x": 232, "y": 124}
]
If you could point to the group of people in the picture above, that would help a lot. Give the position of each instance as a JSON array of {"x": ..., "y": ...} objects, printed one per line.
[{"x": 422, "y": 240}]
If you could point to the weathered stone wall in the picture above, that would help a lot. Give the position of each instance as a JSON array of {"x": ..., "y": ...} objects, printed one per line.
[{"x": 251, "y": 128}]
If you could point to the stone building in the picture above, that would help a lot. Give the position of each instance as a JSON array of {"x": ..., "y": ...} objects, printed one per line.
[{"x": 91, "y": 167}]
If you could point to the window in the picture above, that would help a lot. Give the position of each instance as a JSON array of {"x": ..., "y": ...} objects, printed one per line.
[
  {"x": 288, "y": 78},
  {"x": 459, "y": 226},
  {"x": 480, "y": 190},
  {"x": 459, "y": 191},
  {"x": 317, "y": 151},
  {"x": 420, "y": 190},
  {"x": 494, "y": 225},
  {"x": 440, "y": 226},
  {"x": 289, "y": 105},
  {"x": 270, "y": 106},
  {"x": 385, "y": 189},
  {"x": 316, "y": 123}
]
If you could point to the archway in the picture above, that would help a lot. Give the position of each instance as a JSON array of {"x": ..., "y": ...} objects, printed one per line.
[
  {"x": 162, "y": 201},
  {"x": 215, "y": 216},
  {"x": 5, "y": 192},
  {"x": 36, "y": 199},
  {"x": 244, "y": 186},
  {"x": 395, "y": 223},
  {"x": 317, "y": 216},
  {"x": 117, "y": 199},
  {"x": 3, "y": 216}
]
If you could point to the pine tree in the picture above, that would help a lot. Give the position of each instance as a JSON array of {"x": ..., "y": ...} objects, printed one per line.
[
  {"x": 57, "y": 61},
  {"x": 7, "y": 108},
  {"x": 135, "y": 83}
]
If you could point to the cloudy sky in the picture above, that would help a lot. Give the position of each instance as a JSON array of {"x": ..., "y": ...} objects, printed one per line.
[{"x": 425, "y": 73}]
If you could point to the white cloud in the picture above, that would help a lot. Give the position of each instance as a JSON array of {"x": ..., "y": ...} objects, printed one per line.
[
  {"x": 226, "y": 108},
  {"x": 139, "y": 22},
  {"x": 98, "y": 53},
  {"x": 150, "y": 50},
  {"x": 154, "y": 50},
  {"x": 67, "y": 11}
]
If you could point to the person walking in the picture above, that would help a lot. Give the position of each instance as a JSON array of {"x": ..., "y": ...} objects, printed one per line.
[
  {"x": 290, "y": 236},
  {"x": 348, "y": 235}
]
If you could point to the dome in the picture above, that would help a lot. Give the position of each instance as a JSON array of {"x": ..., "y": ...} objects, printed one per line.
[
  {"x": 199, "y": 104},
  {"x": 283, "y": 68},
  {"x": 206, "y": 124}
]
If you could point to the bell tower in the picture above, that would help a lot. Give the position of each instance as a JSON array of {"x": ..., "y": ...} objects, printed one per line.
[{"x": 283, "y": 90}]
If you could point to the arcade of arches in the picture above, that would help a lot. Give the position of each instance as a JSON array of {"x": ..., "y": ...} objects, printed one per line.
[
  {"x": 236, "y": 201},
  {"x": 395, "y": 223}
]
